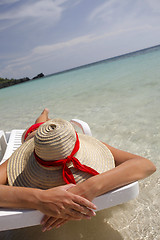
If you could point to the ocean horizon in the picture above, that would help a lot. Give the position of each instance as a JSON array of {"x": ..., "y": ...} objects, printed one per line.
[
  {"x": 139, "y": 51},
  {"x": 119, "y": 98}
]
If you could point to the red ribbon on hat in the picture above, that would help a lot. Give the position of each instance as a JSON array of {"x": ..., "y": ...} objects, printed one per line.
[
  {"x": 32, "y": 128},
  {"x": 66, "y": 172}
]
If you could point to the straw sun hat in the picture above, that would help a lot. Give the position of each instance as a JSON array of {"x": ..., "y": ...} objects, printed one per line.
[{"x": 57, "y": 155}]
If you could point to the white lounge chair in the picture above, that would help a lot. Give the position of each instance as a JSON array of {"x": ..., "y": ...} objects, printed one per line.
[
  {"x": 3, "y": 143},
  {"x": 10, "y": 141},
  {"x": 13, "y": 219}
]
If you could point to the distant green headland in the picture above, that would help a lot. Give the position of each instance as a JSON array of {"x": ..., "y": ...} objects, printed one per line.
[{"x": 5, "y": 82}]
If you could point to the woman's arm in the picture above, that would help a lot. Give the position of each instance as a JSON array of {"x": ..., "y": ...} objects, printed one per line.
[
  {"x": 56, "y": 202},
  {"x": 129, "y": 168}
]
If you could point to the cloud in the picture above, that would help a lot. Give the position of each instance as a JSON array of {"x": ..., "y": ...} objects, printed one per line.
[
  {"x": 106, "y": 11},
  {"x": 8, "y": 24},
  {"x": 154, "y": 5},
  {"x": 32, "y": 10},
  {"x": 116, "y": 13},
  {"x": 86, "y": 39},
  {"x": 35, "y": 11},
  {"x": 45, "y": 51},
  {"x": 5, "y": 2}
]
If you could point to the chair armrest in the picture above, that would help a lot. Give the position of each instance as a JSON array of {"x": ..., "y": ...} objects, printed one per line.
[
  {"x": 13, "y": 219},
  {"x": 117, "y": 196}
]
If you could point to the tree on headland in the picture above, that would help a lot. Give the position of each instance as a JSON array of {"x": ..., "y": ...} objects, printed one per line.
[{"x": 5, "y": 82}]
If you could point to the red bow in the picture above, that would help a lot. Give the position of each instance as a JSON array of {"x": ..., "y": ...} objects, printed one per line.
[{"x": 67, "y": 174}]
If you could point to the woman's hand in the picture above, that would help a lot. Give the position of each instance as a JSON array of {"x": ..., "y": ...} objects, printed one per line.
[
  {"x": 59, "y": 205},
  {"x": 75, "y": 212}
]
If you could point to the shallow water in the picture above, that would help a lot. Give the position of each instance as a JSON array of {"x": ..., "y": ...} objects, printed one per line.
[{"x": 120, "y": 100}]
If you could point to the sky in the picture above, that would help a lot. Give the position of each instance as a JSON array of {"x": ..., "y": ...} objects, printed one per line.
[{"x": 54, "y": 35}]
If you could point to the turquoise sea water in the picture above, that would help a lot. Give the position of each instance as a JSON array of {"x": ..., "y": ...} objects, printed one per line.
[{"x": 120, "y": 99}]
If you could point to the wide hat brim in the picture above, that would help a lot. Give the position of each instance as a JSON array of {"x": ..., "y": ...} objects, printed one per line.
[{"x": 24, "y": 170}]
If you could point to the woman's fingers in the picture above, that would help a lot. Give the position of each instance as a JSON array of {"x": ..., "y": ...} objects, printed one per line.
[
  {"x": 60, "y": 222},
  {"x": 82, "y": 210},
  {"x": 79, "y": 213},
  {"x": 45, "y": 219},
  {"x": 49, "y": 221},
  {"x": 53, "y": 223},
  {"x": 83, "y": 202}
]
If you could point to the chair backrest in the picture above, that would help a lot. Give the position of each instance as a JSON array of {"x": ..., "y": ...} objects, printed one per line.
[
  {"x": 13, "y": 143},
  {"x": 3, "y": 143}
]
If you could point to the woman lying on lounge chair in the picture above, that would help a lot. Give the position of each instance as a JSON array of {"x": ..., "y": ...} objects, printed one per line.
[{"x": 56, "y": 156}]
